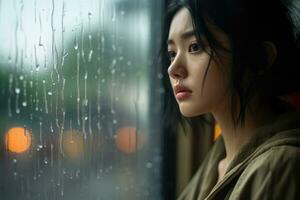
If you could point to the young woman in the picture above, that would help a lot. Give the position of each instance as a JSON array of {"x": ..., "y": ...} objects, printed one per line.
[{"x": 236, "y": 60}]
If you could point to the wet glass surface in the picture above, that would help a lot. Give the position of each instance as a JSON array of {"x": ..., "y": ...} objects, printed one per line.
[{"x": 75, "y": 107}]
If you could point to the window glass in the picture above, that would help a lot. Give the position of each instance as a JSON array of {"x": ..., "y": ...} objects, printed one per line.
[{"x": 75, "y": 117}]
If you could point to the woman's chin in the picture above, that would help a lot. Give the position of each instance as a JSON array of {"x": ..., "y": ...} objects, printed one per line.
[{"x": 189, "y": 113}]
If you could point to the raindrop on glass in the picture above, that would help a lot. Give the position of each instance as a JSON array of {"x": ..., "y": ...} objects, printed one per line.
[
  {"x": 149, "y": 165},
  {"x": 159, "y": 76},
  {"x": 17, "y": 90},
  {"x": 46, "y": 160}
]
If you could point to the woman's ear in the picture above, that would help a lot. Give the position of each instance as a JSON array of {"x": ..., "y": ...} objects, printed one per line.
[{"x": 271, "y": 52}]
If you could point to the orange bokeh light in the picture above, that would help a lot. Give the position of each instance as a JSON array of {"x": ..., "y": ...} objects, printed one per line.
[
  {"x": 128, "y": 141},
  {"x": 217, "y": 131},
  {"x": 73, "y": 144},
  {"x": 18, "y": 139}
]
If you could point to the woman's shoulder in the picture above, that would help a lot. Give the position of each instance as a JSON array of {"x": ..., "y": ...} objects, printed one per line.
[
  {"x": 274, "y": 172},
  {"x": 267, "y": 167},
  {"x": 277, "y": 154},
  {"x": 280, "y": 153}
]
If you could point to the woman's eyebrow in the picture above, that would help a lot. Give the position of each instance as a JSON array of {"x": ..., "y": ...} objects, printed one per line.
[{"x": 186, "y": 35}]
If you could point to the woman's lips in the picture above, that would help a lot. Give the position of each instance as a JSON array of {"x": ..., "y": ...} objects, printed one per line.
[
  {"x": 183, "y": 95},
  {"x": 182, "y": 92}
]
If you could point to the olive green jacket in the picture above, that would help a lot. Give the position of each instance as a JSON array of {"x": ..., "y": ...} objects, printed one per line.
[{"x": 267, "y": 167}]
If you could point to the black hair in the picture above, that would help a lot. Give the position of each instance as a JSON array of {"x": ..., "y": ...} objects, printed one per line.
[{"x": 248, "y": 24}]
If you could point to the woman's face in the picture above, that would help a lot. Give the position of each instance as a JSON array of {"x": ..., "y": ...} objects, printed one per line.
[{"x": 189, "y": 63}]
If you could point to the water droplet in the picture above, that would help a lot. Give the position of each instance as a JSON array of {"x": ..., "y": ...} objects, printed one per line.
[
  {"x": 161, "y": 90},
  {"x": 149, "y": 165},
  {"x": 24, "y": 103},
  {"x": 91, "y": 52},
  {"x": 21, "y": 77},
  {"x": 65, "y": 54},
  {"x": 17, "y": 90},
  {"x": 160, "y": 76},
  {"x": 49, "y": 93},
  {"x": 86, "y": 118},
  {"x": 77, "y": 173},
  {"x": 115, "y": 121},
  {"x": 14, "y": 160},
  {"x": 114, "y": 48}
]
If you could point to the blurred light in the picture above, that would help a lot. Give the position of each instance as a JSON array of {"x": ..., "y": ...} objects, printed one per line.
[
  {"x": 128, "y": 141},
  {"x": 18, "y": 139},
  {"x": 217, "y": 131},
  {"x": 72, "y": 142}
]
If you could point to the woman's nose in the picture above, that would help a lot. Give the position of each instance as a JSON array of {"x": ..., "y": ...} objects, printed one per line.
[{"x": 177, "y": 68}]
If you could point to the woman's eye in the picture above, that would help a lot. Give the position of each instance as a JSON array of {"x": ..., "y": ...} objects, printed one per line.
[
  {"x": 195, "y": 47},
  {"x": 172, "y": 55}
]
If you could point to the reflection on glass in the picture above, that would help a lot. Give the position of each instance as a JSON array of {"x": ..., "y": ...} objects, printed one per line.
[{"x": 74, "y": 80}]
